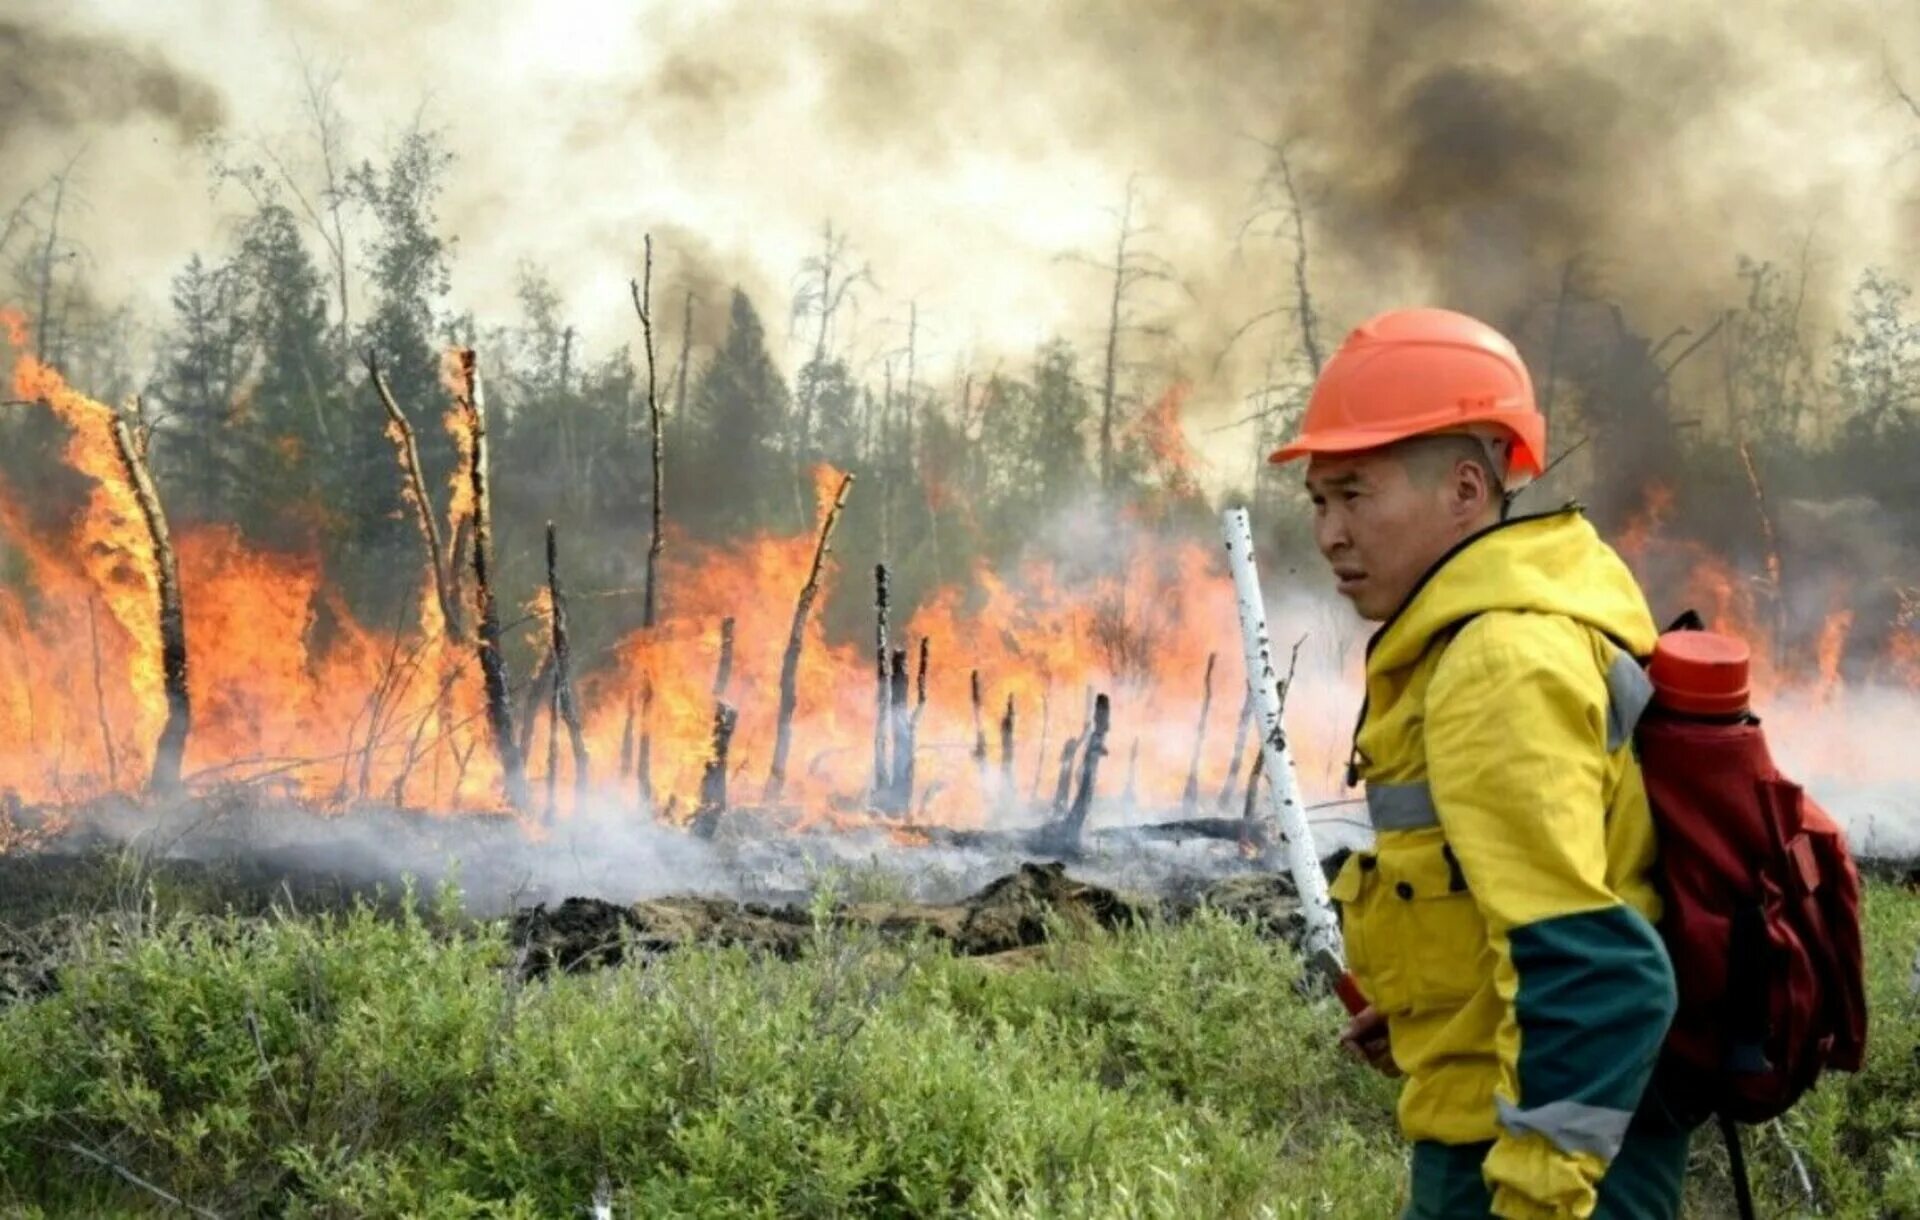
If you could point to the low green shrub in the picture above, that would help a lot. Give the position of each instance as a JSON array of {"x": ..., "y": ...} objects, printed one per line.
[{"x": 371, "y": 1065}]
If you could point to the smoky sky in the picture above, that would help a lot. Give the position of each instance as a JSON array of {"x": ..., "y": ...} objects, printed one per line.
[
  {"x": 65, "y": 83},
  {"x": 1455, "y": 152}
]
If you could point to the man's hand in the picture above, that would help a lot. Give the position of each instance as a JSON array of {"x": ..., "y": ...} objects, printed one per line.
[{"x": 1365, "y": 1038}]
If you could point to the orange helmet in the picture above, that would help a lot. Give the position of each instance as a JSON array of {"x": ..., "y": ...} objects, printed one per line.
[{"x": 1410, "y": 372}]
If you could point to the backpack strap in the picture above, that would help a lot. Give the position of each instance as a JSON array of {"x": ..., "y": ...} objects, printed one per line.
[{"x": 1737, "y": 1163}]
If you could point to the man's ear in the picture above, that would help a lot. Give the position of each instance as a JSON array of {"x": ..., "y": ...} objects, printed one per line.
[{"x": 1473, "y": 493}]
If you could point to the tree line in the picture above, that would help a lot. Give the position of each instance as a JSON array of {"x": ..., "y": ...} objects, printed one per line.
[{"x": 264, "y": 418}]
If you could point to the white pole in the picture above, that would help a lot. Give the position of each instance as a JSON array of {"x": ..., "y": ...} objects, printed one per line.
[{"x": 1322, "y": 947}]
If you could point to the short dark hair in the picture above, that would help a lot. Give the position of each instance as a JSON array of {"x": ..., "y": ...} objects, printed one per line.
[{"x": 1433, "y": 457}]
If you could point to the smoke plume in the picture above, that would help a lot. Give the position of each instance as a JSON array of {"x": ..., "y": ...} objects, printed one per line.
[{"x": 67, "y": 84}]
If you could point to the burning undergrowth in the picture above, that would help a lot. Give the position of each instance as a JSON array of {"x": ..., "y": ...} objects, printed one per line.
[{"x": 192, "y": 696}]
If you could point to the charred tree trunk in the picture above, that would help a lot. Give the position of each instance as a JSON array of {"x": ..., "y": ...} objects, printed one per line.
[
  {"x": 723, "y": 673},
  {"x": 493, "y": 663},
  {"x": 459, "y": 562},
  {"x": 904, "y": 770},
  {"x": 643, "y": 305},
  {"x": 1304, "y": 311},
  {"x": 1190, "y": 796},
  {"x": 643, "y": 761},
  {"x": 680, "y": 374},
  {"x": 713, "y": 781},
  {"x": 1063, "y": 787},
  {"x": 406, "y": 448},
  {"x": 897, "y": 722},
  {"x": 1131, "y": 796},
  {"x": 564, "y": 699},
  {"x": 1006, "y": 755},
  {"x": 626, "y": 744},
  {"x": 979, "y": 731},
  {"x": 171, "y": 750},
  {"x": 882, "y": 773},
  {"x": 1107, "y": 379},
  {"x": 553, "y": 754},
  {"x": 100, "y": 697},
  {"x": 790, "y": 663},
  {"x": 539, "y": 695},
  {"x": 1253, "y": 829},
  {"x": 1249, "y": 812},
  {"x": 1040, "y": 752},
  {"x": 1239, "y": 748},
  {"x": 1089, "y": 773}
]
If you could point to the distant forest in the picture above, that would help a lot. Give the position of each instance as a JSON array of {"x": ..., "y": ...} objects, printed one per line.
[{"x": 264, "y": 417}]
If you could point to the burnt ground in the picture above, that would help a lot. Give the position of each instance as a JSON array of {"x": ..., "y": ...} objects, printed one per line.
[
  {"x": 997, "y": 906},
  {"x": 1012, "y": 913},
  {"x": 47, "y": 898}
]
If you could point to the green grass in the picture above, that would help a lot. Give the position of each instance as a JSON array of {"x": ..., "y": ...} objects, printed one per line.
[{"x": 365, "y": 1065}]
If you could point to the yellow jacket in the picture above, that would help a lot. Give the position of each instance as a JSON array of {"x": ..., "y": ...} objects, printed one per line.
[{"x": 1503, "y": 920}]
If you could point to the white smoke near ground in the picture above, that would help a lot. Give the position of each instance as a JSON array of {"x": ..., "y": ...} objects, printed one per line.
[{"x": 1853, "y": 751}]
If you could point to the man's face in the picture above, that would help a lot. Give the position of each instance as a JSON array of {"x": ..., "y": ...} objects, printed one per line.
[{"x": 1379, "y": 527}]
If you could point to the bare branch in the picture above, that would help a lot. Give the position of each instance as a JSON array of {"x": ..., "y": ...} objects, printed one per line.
[
  {"x": 1693, "y": 347},
  {"x": 1244, "y": 420},
  {"x": 643, "y": 305},
  {"x": 1900, "y": 91},
  {"x": 136, "y": 1180},
  {"x": 16, "y": 217}
]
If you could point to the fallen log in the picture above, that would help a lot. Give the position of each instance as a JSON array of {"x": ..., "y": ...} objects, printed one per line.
[
  {"x": 171, "y": 749},
  {"x": 1048, "y": 840},
  {"x": 493, "y": 664},
  {"x": 790, "y": 663}
]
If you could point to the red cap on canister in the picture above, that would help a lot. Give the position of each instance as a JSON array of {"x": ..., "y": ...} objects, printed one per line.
[{"x": 1700, "y": 673}]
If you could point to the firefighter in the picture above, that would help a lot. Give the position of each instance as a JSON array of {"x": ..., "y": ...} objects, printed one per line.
[{"x": 1503, "y": 921}]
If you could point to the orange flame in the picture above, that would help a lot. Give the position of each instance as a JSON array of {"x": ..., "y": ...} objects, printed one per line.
[
  {"x": 289, "y": 689},
  {"x": 107, "y": 551}
]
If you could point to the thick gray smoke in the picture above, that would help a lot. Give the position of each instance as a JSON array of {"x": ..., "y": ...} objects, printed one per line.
[
  {"x": 61, "y": 84},
  {"x": 1459, "y": 152}
]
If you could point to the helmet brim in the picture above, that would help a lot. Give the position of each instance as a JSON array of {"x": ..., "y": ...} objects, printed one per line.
[{"x": 1525, "y": 463}]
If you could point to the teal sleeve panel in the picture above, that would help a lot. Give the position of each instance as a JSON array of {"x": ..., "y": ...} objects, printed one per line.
[{"x": 1595, "y": 1000}]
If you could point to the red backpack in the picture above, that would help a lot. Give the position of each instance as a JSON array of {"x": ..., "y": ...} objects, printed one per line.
[{"x": 1761, "y": 895}]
